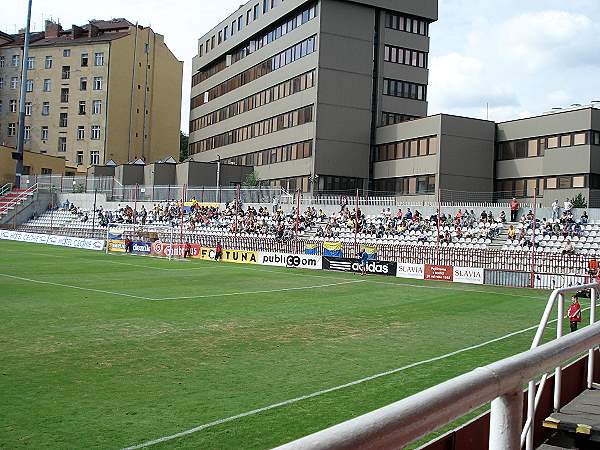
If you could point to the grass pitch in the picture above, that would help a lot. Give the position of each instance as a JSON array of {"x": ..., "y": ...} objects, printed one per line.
[{"x": 102, "y": 351}]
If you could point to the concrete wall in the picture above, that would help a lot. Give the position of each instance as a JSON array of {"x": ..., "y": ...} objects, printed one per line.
[
  {"x": 160, "y": 174},
  {"x": 193, "y": 173},
  {"x": 129, "y": 174}
]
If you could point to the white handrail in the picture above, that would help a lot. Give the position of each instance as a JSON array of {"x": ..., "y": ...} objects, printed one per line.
[
  {"x": 405, "y": 421},
  {"x": 22, "y": 195},
  {"x": 532, "y": 398},
  {"x": 6, "y": 188}
]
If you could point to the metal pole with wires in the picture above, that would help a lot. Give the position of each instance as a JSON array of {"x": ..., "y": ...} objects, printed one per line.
[{"x": 18, "y": 155}]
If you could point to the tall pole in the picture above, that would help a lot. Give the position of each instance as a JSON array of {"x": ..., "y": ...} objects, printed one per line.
[
  {"x": 297, "y": 216},
  {"x": 135, "y": 198},
  {"x": 51, "y": 208},
  {"x": 532, "y": 282},
  {"x": 218, "y": 178},
  {"x": 237, "y": 209},
  {"x": 356, "y": 221},
  {"x": 21, "y": 135},
  {"x": 94, "y": 212}
]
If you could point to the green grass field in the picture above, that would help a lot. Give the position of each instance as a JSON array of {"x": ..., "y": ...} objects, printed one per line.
[{"x": 102, "y": 351}]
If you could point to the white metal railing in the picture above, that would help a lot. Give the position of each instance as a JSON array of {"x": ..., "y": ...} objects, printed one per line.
[
  {"x": 6, "y": 189},
  {"x": 557, "y": 297},
  {"x": 18, "y": 199},
  {"x": 407, "y": 420}
]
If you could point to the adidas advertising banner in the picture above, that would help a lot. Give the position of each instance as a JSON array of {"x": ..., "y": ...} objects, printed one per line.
[
  {"x": 49, "y": 239},
  {"x": 353, "y": 265},
  {"x": 289, "y": 260}
]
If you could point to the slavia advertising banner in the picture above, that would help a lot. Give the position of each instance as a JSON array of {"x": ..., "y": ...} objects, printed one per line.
[{"x": 290, "y": 260}]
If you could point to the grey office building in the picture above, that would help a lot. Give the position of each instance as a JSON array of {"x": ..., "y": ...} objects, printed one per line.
[
  {"x": 297, "y": 88},
  {"x": 549, "y": 157}
]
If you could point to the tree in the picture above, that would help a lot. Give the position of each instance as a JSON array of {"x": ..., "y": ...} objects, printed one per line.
[
  {"x": 251, "y": 179},
  {"x": 183, "y": 146},
  {"x": 579, "y": 201}
]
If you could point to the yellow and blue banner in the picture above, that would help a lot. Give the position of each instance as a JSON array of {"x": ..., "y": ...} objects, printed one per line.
[
  {"x": 371, "y": 251},
  {"x": 311, "y": 249},
  {"x": 332, "y": 249}
]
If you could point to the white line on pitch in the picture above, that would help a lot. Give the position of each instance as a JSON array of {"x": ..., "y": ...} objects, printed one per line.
[
  {"x": 121, "y": 294},
  {"x": 266, "y": 291},
  {"x": 326, "y": 391}
]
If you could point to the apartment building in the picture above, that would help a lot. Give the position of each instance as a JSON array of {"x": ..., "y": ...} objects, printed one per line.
[
  {"x": 107, "y": 90},
  {"x": 549, "y": 157},
  {"x": 297, "y": 88}
]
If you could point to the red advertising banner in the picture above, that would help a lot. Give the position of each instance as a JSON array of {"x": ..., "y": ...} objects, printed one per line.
[
  {"x": 439, "y": 273},
  {"x": 164, "y": 249}
]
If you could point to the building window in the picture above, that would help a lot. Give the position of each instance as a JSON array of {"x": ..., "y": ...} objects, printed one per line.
[
  {"x": 79, "y": 158},
  {"x": 28, "y": 108},
  {"x": 99, "y": 59},
  {"x": 406, "y": 149},
  {"x": 0, "y": 106},
  {"x": 31, "y": 63},
  {"x": 272, "y": 125},
  {"x": 225, "y": 33},
  {"x": 47, "y": 85},
  {"x": 80, "y": 133},
  {"x": 63, "y": 120},
  {"x": 66, "y": 53},
  {"x": 282, "y": 59},
  {"x": 45, "y": 108},
  {"x": 16, "y": 59},
  {"x": 83, "y": 84},
  {"x": 14, "y": 81},
  {"x": 94, "y": 158},
  {"x": 62, "y": 144},
  {"x": 255, "y": 12},
  {"x": 1, "y": 83},
  {"x": 66, "y": 72},
  {"x": 12, "y": 104},
  {"x": 95, "y": 132},
  {"x": 12, "y": 129},
  {"x": 579, "y": 139},
  {"x": 46, "y": 171},
  {"x": 82, "y": 107},
  {"x": 97, "y": 83},
  {"x": 578, "y": 181},
  {"x": 97, "y": 107},
  {"x": 27, "y": 133},
  {"x": 64, "y": 95},
  {"x": 84, "y": 60},
  {"x": 29, "y": 86},
  {"x": 2, "y": 61},
  {"x": 407, "y": 24},
  {"x": 274, "y": 93},
  {"x": 44, "y": 133},
  {"x": 48, "y": 63},
  {"x": 408, "y": 57},
  {"x": 404, "y": 89}
]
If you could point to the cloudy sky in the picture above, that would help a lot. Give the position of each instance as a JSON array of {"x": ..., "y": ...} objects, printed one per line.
[{"x": 521, "y": 57}]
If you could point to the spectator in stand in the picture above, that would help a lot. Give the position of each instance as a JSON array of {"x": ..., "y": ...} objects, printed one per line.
[
  {"x": 514, "y": 210},
  {"x": 502, "y": 217},
  {"x": 568, "y": 206},
  {"x": 583, "y": 220},
  {"x": 574, "y": 313},
  {"x": 568, "y": 248},
  {"x": 555, "y": 210},
  {"x": 275, "y": 204},
  {"x": 512, "y": 233},
  {"x": 408, "y": 215}
]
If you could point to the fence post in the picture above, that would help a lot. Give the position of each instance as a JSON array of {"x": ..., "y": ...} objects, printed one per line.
[
  {"x": 505, "y": 421},
  {"x": 559, "y": 332},
  {"x": 590, "y": 374}
]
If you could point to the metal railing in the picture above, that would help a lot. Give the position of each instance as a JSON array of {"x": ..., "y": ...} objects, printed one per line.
[
  {"x": 6, "y": 189},
  {"x": 407, "y": 420},
  {"x": 18, "y": 199},
  {"x": 557, "y": 297}
]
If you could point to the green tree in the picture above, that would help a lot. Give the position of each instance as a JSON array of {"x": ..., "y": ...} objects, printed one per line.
[
  {"x": 579, "y": 201},
  {"x": 251, "y": 179},
  {"x": 183, "y": 146}
]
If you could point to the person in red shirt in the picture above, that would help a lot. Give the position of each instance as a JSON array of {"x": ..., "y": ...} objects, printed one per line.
[
  {"x": 218, "y": 252},
  {"x": 514, "y": 210},
  {"x": 574, "y": 313},
  {"x": 187, "y": 250}
]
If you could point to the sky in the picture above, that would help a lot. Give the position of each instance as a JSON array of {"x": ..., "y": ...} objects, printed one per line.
[{"x": 496, "y": 59}]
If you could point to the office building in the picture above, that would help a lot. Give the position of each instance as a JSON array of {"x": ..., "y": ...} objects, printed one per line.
[
  {"x": 107, "y": 90},
  {"x": 297, "y": 88}
]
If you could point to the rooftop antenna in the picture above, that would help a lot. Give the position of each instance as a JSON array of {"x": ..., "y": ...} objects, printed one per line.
[{"x": 487, "y": 110}]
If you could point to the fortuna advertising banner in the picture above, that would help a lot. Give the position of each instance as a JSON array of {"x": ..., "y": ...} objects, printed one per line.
[
  {"x": 232, "y": 256},
  {"x": 291, "y": 260}
]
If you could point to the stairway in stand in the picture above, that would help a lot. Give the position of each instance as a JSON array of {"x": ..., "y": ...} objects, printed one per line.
[{"x": 13, "y": 199}]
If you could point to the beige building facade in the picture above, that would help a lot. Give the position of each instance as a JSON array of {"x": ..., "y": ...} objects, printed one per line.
[{"x": 109, "y": 90}]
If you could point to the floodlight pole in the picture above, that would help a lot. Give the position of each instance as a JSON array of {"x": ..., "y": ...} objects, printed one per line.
[
  {"x": 23, "y": 93},
  {"x": 94, "y": 212}
]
